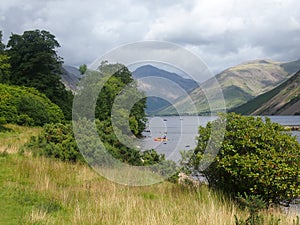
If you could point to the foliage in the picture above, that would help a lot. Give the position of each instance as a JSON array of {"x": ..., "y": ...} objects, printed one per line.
[
  {"x": 120, "y": 78},
  {"x": 4, "y": 62},
  {"x": 35, "y": 63},
  {"x": 4, "y": 67},
  {"x": 151, "y": 157},
  {"x": 82, "y": 68},
  {"x": 56, "y": 141},
  {"x": 27, "y": 106},
  {"x": 256, "y": 157},
  {"x": 253, "y": 204},
  {"x": 2, "y": 46},
  {"x": 118, "y": 90},
  {"x": 33, "y": 58}
]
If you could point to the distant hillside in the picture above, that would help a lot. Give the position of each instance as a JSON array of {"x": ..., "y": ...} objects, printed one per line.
[
  {"x": 151, "y": 71},
  {"x": 239, "y": 85},
  {"x": 70, "y": 77},
  {"x": 291, "y": 67},
  {"x": 282, "y": 100},
  {"x": 161, "y": 86}
]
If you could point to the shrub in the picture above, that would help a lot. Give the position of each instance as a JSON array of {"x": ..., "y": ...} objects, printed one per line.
[
  {"x": 27, "y": 106},
  {"x": 257, "y": 157},
  {"x": 24, "y": 120},
  {"x": 56, "y": 141}
]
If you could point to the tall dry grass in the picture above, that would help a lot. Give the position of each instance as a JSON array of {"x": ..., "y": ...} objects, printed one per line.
[
  {"x": 63, "y": 193},
  {"x": 12, "y": 140},
  {"x": 86, "y": 198}
]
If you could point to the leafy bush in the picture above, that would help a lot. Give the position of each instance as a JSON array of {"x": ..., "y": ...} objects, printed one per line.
[
  {"x": 257, "y": 157},
  {"x": 27, "y": 106},
  {"x": 2, "y": 122},
  {"x": 57, "y": 141}
]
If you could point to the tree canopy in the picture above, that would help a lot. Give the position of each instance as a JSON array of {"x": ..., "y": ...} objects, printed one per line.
[
  {"x": 4, "y": 62},
  {"x": 35, "y": 63},
  {"x": 82, "y": 68},
  {"x": 2, "y": 46},
  {"x": 114, "y": 79}
]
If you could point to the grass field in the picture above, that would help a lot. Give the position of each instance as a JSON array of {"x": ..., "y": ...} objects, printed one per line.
[
  {"x": 11, "y": 141},
  {"x": 46, "y": 191}
]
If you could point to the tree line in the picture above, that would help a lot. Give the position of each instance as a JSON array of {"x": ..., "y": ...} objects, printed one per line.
[{"x": 32, "y": 94}]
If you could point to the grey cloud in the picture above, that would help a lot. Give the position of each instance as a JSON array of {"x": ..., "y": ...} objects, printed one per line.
[{"x": 222, "y": 33}]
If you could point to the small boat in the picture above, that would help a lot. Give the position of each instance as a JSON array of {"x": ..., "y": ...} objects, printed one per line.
[
  {"x": 165, "y": 120},
  {"x": 160, "y": 139}
]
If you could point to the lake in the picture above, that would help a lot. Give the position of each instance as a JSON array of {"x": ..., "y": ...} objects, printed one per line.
[{"x": 181, "y": 132}]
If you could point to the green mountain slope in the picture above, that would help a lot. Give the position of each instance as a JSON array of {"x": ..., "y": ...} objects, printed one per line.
[
  {"x": 153, "y": 80},
  {"x": 282, "y": 100},
  {"x": 239, "y": 85}
]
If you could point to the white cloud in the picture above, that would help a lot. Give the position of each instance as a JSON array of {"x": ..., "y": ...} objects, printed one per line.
[
  {"x": 223, "y": 33},
  {"x": 233, "y": 31}
]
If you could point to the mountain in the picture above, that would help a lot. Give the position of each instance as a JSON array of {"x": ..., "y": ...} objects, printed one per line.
[
  {"x": 151, "y": 71},
  {"x": 239, "y": 84},
  {"x": 291, "y": 67},
  {"x": 151, "y": 80},
  {"x": 282, "y": 100},
  {"x": 70, "y": 77},
  {"x": 155, "y": 81}
]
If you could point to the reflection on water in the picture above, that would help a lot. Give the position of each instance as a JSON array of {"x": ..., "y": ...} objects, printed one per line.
[{"x": 181, "y": 132}]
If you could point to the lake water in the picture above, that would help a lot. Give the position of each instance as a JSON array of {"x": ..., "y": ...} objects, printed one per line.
[{"x": 181, "y": 132}]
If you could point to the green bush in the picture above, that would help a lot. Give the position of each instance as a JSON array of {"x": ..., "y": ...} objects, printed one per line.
[
  {"x": 2, "y": 120},
  {"x": 257, "y": 157},
  {"x": 56, "y": 141},
  {"x": 27, "y": 106},
  {"x": 25, "y": 120}
]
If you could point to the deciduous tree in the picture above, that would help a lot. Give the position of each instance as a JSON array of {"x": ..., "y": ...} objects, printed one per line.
[{"x": 35, "y": 63}]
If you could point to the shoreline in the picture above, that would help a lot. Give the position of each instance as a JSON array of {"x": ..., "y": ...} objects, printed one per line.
[{"x": 292, "y": 127}]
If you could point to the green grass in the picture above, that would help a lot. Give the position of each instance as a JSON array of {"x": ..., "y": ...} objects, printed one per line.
[
  {"x": 46, "y": 191},
  {"x": 15, "y": 136},
  {"x": 17, "y": 198}
]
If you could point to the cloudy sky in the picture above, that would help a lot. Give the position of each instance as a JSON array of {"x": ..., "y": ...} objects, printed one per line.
[{"x": 221, "y": 32}]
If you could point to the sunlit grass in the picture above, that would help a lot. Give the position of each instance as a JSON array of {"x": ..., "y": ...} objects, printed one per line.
[
  {"x": 16, "y": 136},
  {"x": 46, "y": 191}
]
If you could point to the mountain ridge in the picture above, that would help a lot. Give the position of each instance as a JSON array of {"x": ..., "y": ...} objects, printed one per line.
[
  {"x": 282, "y": 100},
  {"x": 239, "y": 85},
  {"x": 250, "y": 79},
  {"x": 161, "y": 84}
]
